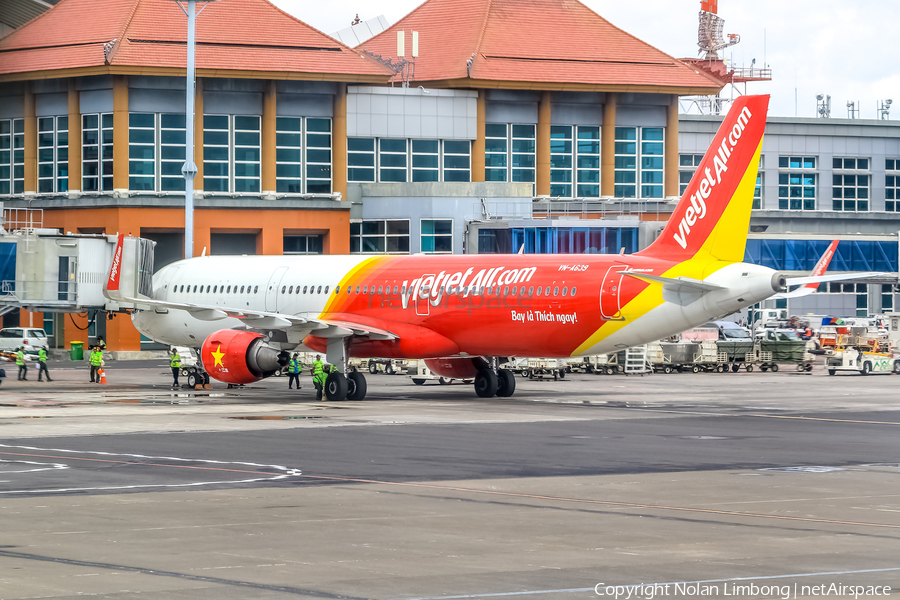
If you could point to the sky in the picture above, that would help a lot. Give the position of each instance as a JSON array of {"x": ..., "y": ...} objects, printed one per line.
[{"x": 846, "y": 49}]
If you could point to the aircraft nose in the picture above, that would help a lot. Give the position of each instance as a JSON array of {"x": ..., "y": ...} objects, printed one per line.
[{"x": 779, "y": 282}]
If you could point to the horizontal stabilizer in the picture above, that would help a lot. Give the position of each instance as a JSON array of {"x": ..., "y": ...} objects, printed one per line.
[{"x": 678, "y": 290}]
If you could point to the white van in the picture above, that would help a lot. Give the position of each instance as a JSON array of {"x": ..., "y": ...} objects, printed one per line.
[{"x": 29, "y": 338}]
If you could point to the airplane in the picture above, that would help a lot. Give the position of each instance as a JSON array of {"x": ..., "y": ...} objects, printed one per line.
[
  {"x": 464, "y": 314},
  {"x": 809, "y": 285}
]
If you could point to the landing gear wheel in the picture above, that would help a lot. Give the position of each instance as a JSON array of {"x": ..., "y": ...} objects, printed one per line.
[
  {"x": 278, "y": 372},
  {"x": 373, "y": 368},
  {"x": 443, "y": 381},
  {"x": 389, "y": 369},
  {"x": 562, "y": 373},
  {"x": 356, "y": 386},
  {"x": 774, "y": 368},
  {"x": 749, "y": 368},
  {"x": 735, "y": 368},
  {"x": 192, "y": 380},
  {"x": 695, "y": 369},
  {"x": 506, "y": 383},
  {"x": 486, "y": 384},
  {"x": 667, "y": 369},
  {"x": 336, "y": 387}
]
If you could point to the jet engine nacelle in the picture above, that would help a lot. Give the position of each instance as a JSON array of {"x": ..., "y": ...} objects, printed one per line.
[{"x": 239, "y": 357}]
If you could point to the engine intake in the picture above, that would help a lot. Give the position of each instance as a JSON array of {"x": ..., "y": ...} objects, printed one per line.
[{"x": 240, "y": 357}]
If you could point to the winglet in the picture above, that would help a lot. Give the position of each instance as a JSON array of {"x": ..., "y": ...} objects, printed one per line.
[{"x": 115, "y": 268}]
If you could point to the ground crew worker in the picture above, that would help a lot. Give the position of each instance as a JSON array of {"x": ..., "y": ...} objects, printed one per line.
[
  {"x": 319, "y": 376},
  {"x": 101, "y": 344},
  {"x": 42, "y": 359},
  {"x": 20, "y": 360},
  {"x": 96, "y": 361},
  {"x": 294, "y": 371},
  {"x": 175, "y": 363}
]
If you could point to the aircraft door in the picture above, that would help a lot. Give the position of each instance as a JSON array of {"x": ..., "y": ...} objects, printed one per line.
[
  {"x": 609, "y": 293},
  {"x": 272, "y": 289}
]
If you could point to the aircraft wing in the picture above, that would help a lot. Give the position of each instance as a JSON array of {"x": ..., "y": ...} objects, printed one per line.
[
  {"x": 841, "y": 277},
  {"x": 269, "y": 321}
]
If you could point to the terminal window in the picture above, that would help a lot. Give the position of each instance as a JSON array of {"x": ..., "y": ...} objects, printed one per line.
[
  {"x": 850, "y": 184},
  {"x": 12, "y": 156},
  {"x": 231, "y": 153},
  {"x": 436, "y": 236},
  {"x": 509, "y": 152},
  {"x": 892, "y": 185},
  {"x": 796, "y": 185},
  {"x": 379, "y": 236},
  {"x": 97, "y": 152},
  {"x": 53, "y": 154},
  {"x": 156, "y": 151}
]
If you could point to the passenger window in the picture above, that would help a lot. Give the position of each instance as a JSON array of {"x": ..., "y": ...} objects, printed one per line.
[
  {"x": 291, "y": 290},
  {"x": 242, "y": 289},
  {"x": 228, "y": 291},
  {"x": 283, "y": 288},
  {"x": 565, "y": 291},
  {"x": 349, "y": 289},
  {"x": 573, "y": 290},
  {"x": 365, "y": 289},
  {"x": 395, "y": 290},
  {"x": 320, "y": 290},
  {"x": 556, "y": 291},
  {"x": 255, "y": 288},
  {"x": 357, "y": 289},
  {"x": 326, "y": 289},
  {"x": 195, "y": 289},
  {"x": 304, "y": 289},
  {"x": 531, "y": 291},
  {"x": 182, "y": 289},
  {"x": 380, "y": 288},
  {"x": 207, "y": 289},
  {"x": 547, "y": 291},
  {"x": 215, "y": 287},
  {"x": 337, "y": 289}
]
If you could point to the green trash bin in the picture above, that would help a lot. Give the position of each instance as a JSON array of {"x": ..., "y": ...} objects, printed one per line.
[{"x": 77, "y": 351}]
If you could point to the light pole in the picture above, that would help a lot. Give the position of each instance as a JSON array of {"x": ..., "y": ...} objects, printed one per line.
[{"x": 189, "y": 169}]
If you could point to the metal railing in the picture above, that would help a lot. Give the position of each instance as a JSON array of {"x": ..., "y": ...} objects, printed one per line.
[
  {"x": 546, "y": 209},
  {"x": 23, "y": 219},
  {"x": 38, "y": 292}
]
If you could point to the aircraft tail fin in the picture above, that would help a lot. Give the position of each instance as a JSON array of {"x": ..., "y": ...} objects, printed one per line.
[{"x": 713, "y": 216}]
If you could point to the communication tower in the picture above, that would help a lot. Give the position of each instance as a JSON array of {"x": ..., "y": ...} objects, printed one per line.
[{"x": 709, "y": 37}]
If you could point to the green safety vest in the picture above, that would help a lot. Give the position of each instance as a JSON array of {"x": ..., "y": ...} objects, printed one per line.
[
  {"x": 42, "y": 355},
  {"x": 96, "y": 358},
  {"x": 319, "y": 372},
  {"x": 20, "y": 358},
  {"x": 293, "y": 367},
  {"x": 175, "y": 361}
]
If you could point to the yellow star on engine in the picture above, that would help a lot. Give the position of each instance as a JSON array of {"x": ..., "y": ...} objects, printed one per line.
[{"x": 217, "y": 355}]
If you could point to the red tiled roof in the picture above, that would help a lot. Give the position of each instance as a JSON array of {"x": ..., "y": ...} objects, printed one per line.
[
  {"x": 245, "y": 35},
  {"x": 548, "y": 42}
]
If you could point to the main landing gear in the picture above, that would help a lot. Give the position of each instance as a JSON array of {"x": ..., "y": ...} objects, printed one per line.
[
  {"x": 493, "y": 381},
  {"x": 339, "y": 386}
]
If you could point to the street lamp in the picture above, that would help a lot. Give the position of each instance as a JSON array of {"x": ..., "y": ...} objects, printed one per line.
[{"x": 189, "y": 169}]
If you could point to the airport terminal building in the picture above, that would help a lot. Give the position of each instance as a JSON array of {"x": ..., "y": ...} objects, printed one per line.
[{"x": 444, "y": 133}]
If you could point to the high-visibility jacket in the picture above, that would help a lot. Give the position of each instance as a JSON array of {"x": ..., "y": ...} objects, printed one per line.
[
  {"x": 96, "y": 358},
  {"x": 42, "y": 356},
  {"x": 175, "y": 360},
  {"x": 20, "y": 358},
  {"x": 293, "y": 366},
  {"x": 319, "y": 375}
]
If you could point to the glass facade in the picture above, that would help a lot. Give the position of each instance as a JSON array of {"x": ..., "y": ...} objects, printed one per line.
[
  {"x": 426, "y": 160},
  {"x": 457, "y": 160},
  {"x": 558, "y": 240},
  {"x": 231, "y": 153},
  {"x": 509, "y": 152},
  {"x": 361, "y": 159},
  {"x": 850, "y": 184},
  {"x": 378, "y": 236},
  {"x": 802, "y": 255},
  {"x": 392, "y": 160},
  {"x": 303, "y": 244},
  {"x": 302, "y": 168},
  {"x": 892, "y": 185}
]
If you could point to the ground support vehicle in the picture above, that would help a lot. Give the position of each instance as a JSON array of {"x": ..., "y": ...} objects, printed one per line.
[
  {"x": 579, "y": 365},
  {"x": 30, "y": 339},
  {"x": 608, "y": 364},
  {"x": 191, "y": 369},
  {"x": 696, "y": 356},
  {"x": 760, "y": 358},
  {"x": 544, "y": 368},
  {"x": 420, "y": 373},
  {"x": 731, "y": 355},
  {"x": 863, "y": 355},
  {"x": 387, "y": 366}
]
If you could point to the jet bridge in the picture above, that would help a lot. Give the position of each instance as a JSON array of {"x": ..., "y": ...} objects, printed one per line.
[{"x": 46, "y": 271}]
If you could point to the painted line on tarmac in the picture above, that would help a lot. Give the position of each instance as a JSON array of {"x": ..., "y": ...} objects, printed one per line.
[
  {"x": 824, "y": 419},
  {"x": 638, "y": 585},
  {"x": 282, "y": 472},
  {"x": 604, "y": 502}
]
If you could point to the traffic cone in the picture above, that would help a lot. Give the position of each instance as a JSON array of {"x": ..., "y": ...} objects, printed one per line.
[{"x": 102, "y": 376}]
